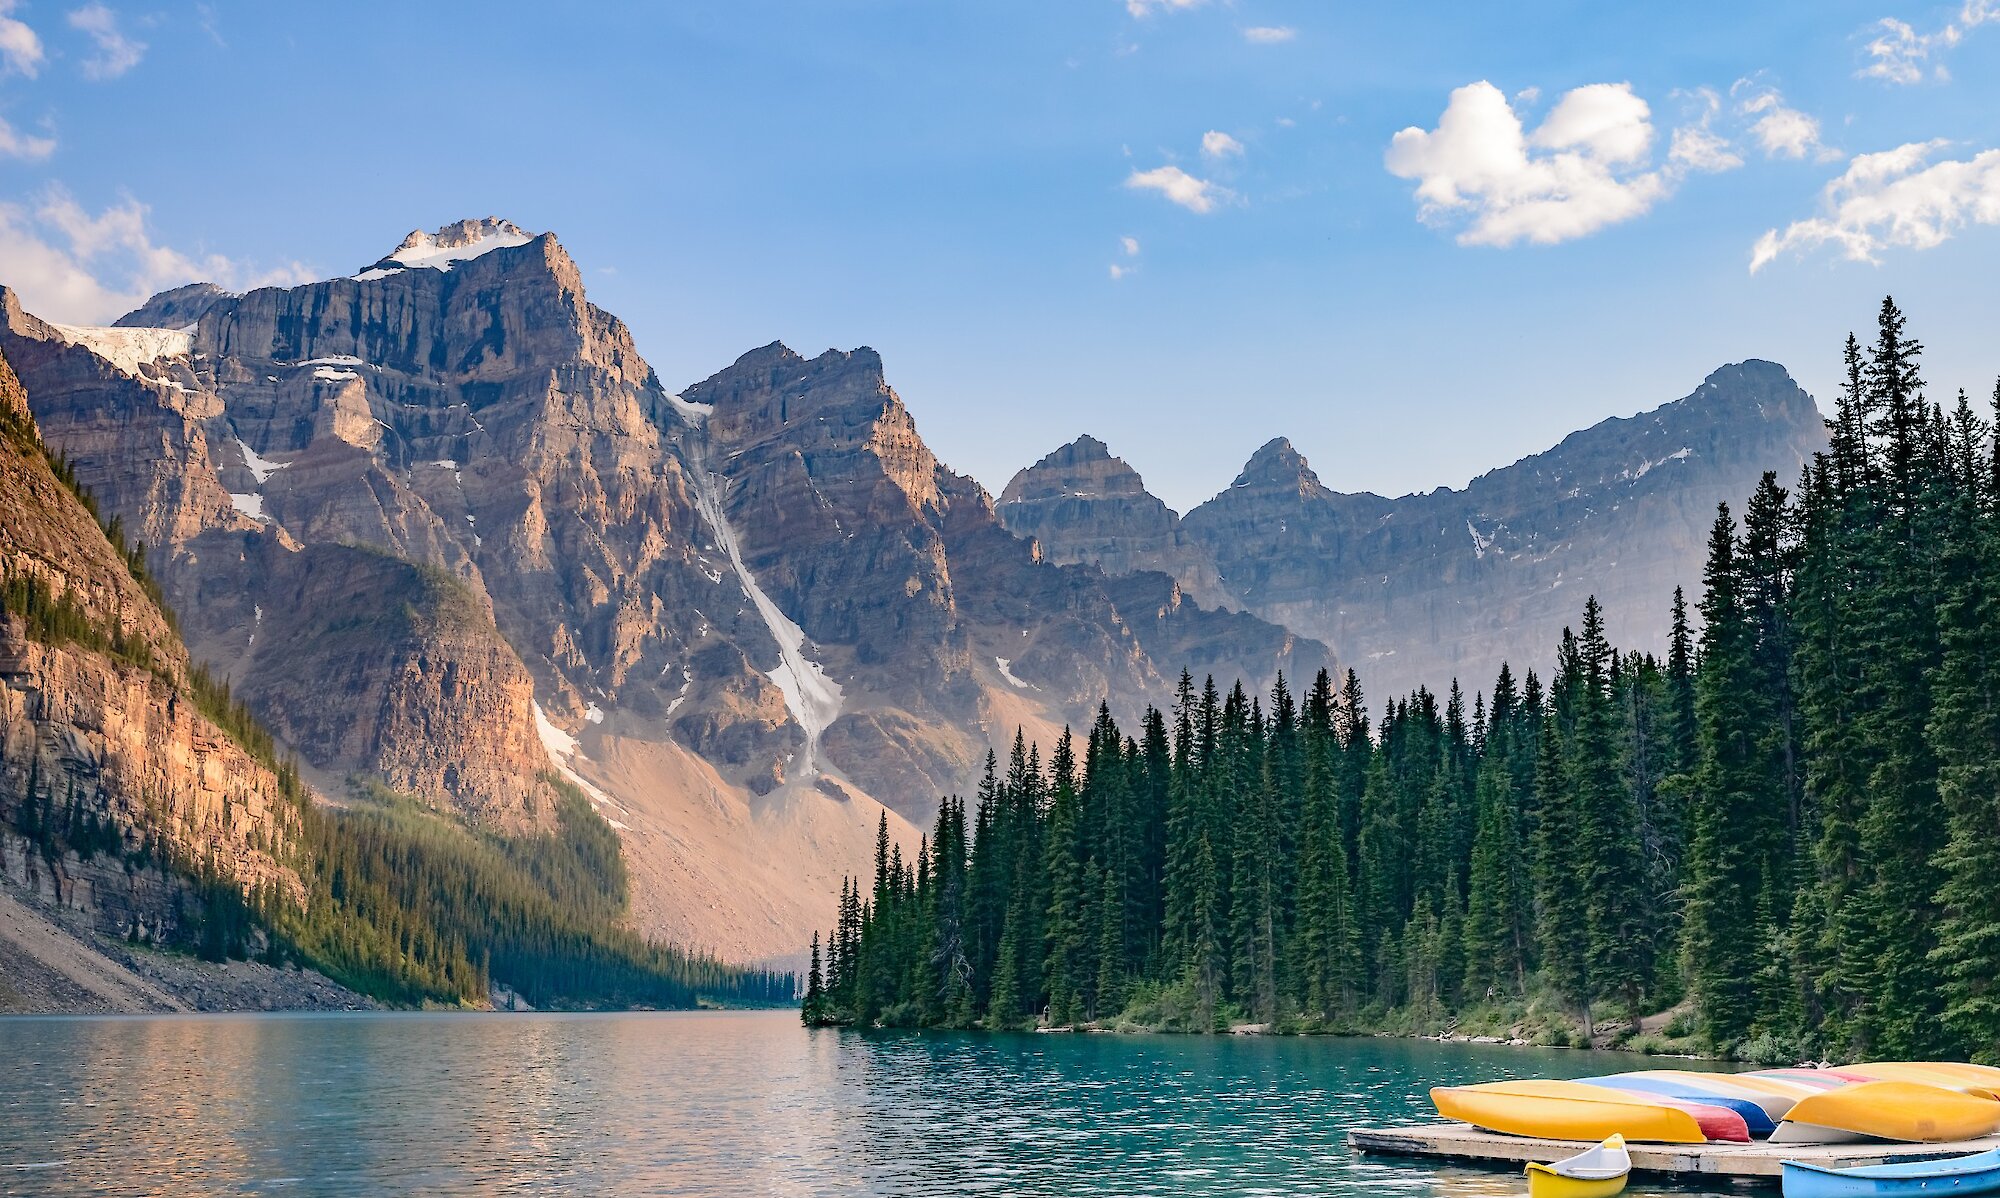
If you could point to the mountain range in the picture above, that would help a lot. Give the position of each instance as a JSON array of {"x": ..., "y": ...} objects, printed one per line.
[{"x": 445, "y": 530}]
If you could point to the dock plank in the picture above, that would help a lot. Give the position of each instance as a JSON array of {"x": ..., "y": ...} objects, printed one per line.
[{"x": 1466, "y": 1144}]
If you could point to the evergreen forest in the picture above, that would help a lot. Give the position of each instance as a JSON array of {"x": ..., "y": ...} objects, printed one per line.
[{"x": 1785, "y": 830}]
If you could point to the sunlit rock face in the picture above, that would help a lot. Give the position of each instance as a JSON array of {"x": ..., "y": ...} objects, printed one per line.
[{"x": 445, "y": 529}]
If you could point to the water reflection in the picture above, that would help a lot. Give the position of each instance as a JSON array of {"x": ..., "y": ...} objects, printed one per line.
[{"x": 709, "y": 1104}]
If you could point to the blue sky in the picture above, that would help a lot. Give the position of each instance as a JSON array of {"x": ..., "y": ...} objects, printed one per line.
[{"x": 954, "y": 183}]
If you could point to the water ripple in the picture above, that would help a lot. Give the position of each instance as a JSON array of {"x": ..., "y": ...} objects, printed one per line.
[{"x": 709, "y": 1104}]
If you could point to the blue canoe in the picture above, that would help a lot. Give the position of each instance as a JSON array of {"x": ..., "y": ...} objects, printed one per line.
[
  {"x": 1976, "y": 1174},
  {"x": 1755, "y": 1117}
]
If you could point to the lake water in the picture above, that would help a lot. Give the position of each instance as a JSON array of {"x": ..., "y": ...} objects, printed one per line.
[{"x": 712, "y": 1104}]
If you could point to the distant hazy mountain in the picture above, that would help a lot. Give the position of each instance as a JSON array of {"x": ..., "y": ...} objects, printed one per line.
[{"x": 1425, "y": 588}]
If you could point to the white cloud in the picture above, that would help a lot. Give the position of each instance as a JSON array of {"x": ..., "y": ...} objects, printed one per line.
[
  {"x": 1146, "y": 8},
  {"x": 1269, "y": 35},
  {"x": 78, "y": 267},
  {"x": 1895, "y": 198},
  {"x": 1782, "y": 131},
  {"x": 1130, "y": 245},
  {"x": 1119, "y": 272},
  {"x": 1217, "y": 144},
  {"x": 1899, "y": 54},
  {"x": 1585, "y": 167},
  {"x": 20, "y": 48},
  {"x": 116, "y": 53},
  {"x": 14, "y": 144},
  {"x": 1696, "y": 146},
  {"x": 1195, "y": 195}
]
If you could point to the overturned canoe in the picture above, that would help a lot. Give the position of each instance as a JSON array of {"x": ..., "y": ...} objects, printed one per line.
[
  {"x": 1971, "y": 1079},
  {"x": 1572, "y": 1111},
  {"x": 1757, "y": 1122},
  {"x": 1774, "y": 1096},
  {"x": 1890, "y": 1110},
  {"x": 1594, "y": 1173},
  {"x": 1976, "y": 1174}
]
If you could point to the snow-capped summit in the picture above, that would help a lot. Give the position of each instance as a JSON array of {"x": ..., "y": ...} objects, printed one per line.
[{"x": 454, "y": 243}]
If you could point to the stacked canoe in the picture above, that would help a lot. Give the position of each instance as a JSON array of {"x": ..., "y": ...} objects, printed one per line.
[{"x": 1926, "y": 1102}]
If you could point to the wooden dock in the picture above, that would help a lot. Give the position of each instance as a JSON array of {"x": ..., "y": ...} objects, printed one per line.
[{"x": 1464, "y": 1144}]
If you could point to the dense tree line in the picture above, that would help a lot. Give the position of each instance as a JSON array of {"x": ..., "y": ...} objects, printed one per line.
[
  {"x": 400, "y": 903},
  {"x": 1791, "y": 821},
  {"x": 410, "y": 905}
]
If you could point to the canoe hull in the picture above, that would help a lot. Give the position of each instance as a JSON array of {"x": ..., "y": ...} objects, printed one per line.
[
  {"x": 1516, "y": 1109},
  {"x": 1756, "y": 1120},
  {"x": 1894, "y": 1110},
  {"x": 1545, "y": 1183},
  {"x": 1978, "y": 1174}
]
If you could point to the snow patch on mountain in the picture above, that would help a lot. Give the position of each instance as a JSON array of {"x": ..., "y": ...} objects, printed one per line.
[
  {"x": 564, "y": 750},
  {"x": 812, "y": 698},
  {"x": 129, "y": 349},
  {"x": 261, "y": 467},
  {"x": 449, "y": 246}
]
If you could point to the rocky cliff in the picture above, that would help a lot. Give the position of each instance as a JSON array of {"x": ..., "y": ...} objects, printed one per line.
[
  {"x": 444, "y": 528},
  {"x": 110, "y": 771},
  {"x": 1084, "y": 505}
]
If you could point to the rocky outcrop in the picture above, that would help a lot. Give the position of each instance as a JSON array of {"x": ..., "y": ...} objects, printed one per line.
[
  {"x": 402, "y": 510},
  {"x": 941, "y": 628},
  {"x": 1084, "y": 505},
  {"x": 174, "y": 309},
  {"x": 109, "y": 770},
  {"x": 1425, "y": 588}
]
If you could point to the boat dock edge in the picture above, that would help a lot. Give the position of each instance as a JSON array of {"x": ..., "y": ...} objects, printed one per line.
[{"x": 1463, "y": 1144}]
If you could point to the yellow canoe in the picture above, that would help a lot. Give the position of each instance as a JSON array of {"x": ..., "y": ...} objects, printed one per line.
[
  {"x": 1897, "y": 1110},
  {"x": 1594, "y": 1173},
  {"x": 1564, "y": 1111},
  {"x": 1982, "y": 1080}
]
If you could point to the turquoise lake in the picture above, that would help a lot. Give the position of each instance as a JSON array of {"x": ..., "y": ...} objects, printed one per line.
[{"x": 714, "y": 1104}]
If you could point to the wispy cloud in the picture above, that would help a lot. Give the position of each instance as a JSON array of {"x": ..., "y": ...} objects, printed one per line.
[
  {"x": 1146, "y": 8},
  {"x": 1269, "y": 35},
  {"x": 116, "y": 52},
  {"x": 1897, "y": 198},
  {"x": 1588, "y": 165},
  {"x": 1217, "y": 144},
  {"x": 1899, "y": 54},
  {"x": 20, "y": 47},
  {"x": 1195, "y": 195},
  {"x": 1696, "y": 146},
  {"x": 1129, "y": 246},
  {"x": 1782, "y": 131},
  {"x": 81, "y": 267},
  {"x": 15, "y": 144}
]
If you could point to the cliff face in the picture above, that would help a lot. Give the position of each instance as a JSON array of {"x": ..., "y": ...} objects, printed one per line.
[
  {"x": 442, "y": 527},
  {"x": 107, "y": 767},
  {"x": 1083, "y": 505},
  {"x": 939, "y": 629},
  {"x": 1425, "y": 588}
]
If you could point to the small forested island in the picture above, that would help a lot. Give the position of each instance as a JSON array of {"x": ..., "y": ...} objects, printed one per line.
[{"x": 1780, "y": 842}]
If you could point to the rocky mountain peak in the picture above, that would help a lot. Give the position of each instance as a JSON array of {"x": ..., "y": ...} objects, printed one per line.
[
  {"x": 457, "y": 242},
  {"x": 1084, "y": 467},
  {"x": 1277, "y": 463},
  {"x": 1083, "y": 505},
  {"x": 175, "y": 308}
]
